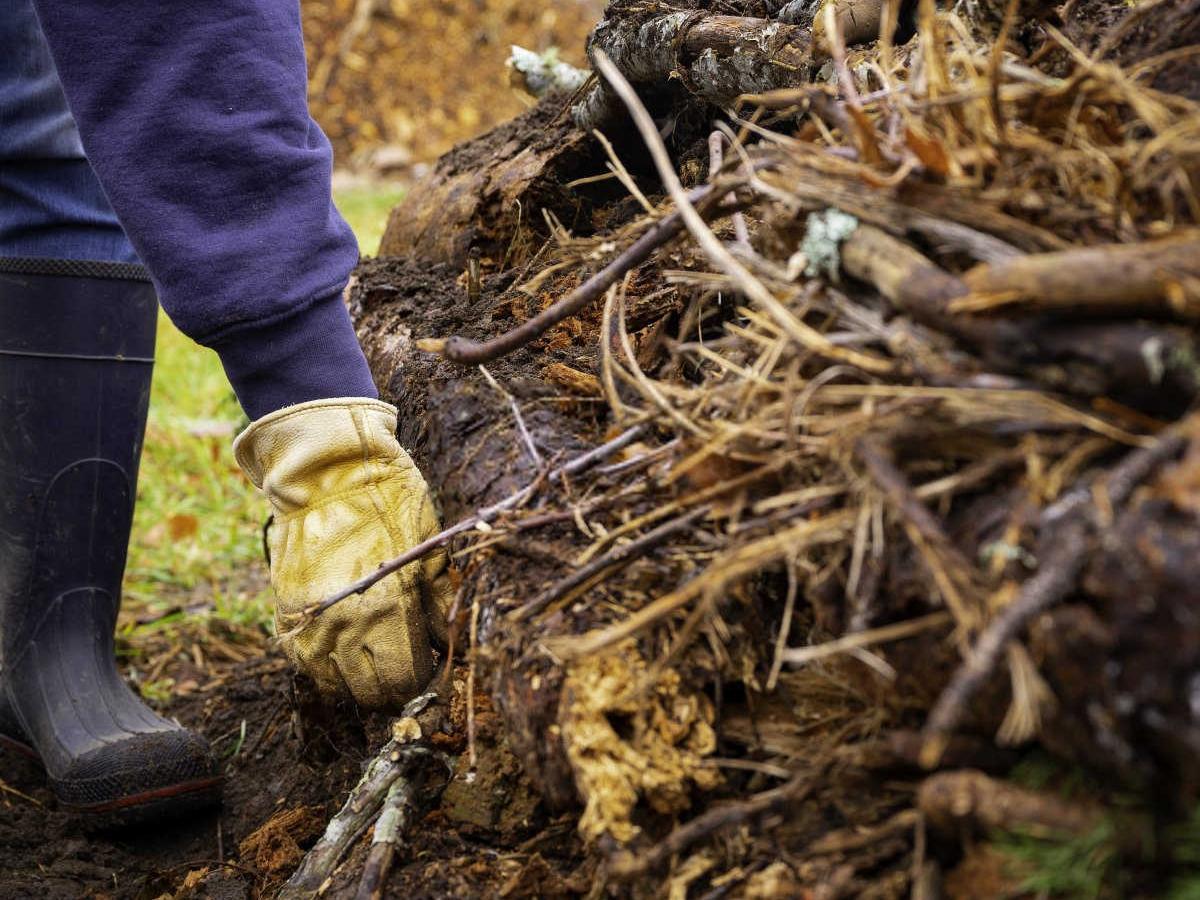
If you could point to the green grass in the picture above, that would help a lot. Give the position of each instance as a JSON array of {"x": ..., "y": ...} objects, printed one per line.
[
  {"x": 1083, "y": 867},
  {"x": 197, "y": 541},
  {"x": 1108, "y": 862},
  {"x": 366, "y": 208},
  {"x": 196, "y": 528}
]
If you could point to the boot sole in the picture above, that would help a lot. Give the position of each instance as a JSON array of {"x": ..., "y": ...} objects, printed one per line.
[{"x": 139, "y": 808}]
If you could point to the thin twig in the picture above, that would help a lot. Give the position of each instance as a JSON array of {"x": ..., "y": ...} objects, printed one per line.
[
  {"x": 463, "y": 350},
  {"x": 9, "y": 789},
  {"x": 572, "y": 467},
  {"x": 526, "y": 437},
  {"x": 637, "y": 462},
  {"x": 617, "y": 556},
  {"x": 785, "y": 625},
  {"x": 859, "y": 639}
]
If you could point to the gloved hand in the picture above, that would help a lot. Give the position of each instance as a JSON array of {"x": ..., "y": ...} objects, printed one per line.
[{"x": 346, "y": 498}]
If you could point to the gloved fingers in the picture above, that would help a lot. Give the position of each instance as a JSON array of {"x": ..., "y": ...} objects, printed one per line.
[
  {"x": 403, "y": 665},
  {"x": 378, "y": 645},
  {"x": 441, "y": 589},
  {"x": 384, "y": 674},
  {"x": 319, "y": 666},
  {"x": 356, "y": 675}
]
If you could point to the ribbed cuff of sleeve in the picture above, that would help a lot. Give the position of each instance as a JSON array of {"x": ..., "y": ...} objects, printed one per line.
[{"x": 311, "y": 355}]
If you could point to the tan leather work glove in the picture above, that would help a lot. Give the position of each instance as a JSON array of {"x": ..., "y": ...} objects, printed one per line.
[{"x": 346, "y": 498}]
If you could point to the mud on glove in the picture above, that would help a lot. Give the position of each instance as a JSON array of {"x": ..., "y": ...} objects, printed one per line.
[{"x": 346, "y": 498}]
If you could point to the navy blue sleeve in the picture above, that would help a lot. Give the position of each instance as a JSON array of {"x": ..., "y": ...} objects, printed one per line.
[{"x": 195, "y": 118}]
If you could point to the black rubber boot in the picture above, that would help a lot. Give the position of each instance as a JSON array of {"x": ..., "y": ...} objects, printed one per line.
[{"x": 76, "y": 354}]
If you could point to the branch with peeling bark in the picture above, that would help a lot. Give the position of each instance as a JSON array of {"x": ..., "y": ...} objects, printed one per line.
[
  {"x": 717, "y": 58},
  {"x": 390, "y": 778}
]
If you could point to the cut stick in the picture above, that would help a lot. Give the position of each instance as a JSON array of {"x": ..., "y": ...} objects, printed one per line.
[
  {"x": 950, "y": 800},
  {"x": 1159, "y": 277}
]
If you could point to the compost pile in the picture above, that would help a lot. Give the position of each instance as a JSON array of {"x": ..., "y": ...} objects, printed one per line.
[
  {"x": 860, "y": 468},
  {"x": 398, "y": 82}
]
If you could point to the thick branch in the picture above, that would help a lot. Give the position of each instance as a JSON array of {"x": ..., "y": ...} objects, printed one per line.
[{"x": 1154, "y": 277}]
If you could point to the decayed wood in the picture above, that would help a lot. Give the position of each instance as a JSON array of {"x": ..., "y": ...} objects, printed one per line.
[
  {"x": 717, "y": 58},
  {"x": 484, "y": 196},
  {"x": 858, "y": 22}
]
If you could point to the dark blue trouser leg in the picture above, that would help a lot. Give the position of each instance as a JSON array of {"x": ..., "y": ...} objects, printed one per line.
[{"x": 51, "y": 205}]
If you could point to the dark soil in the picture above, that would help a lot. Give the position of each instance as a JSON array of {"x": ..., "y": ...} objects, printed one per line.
[
  {"x": 47, "y": 853},
  {"x": 283, "y": 780}
]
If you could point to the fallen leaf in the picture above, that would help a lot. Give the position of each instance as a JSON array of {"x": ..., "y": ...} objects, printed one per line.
[{"x": 182, "y": 526}]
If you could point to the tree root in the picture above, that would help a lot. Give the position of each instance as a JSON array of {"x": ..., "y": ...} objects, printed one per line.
[{"x": 1067, "y": 531}]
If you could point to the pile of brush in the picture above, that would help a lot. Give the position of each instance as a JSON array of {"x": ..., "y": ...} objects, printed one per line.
[{"x": 821, "y": 438}]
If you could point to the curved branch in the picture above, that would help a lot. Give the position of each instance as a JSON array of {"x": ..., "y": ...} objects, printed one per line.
[{"x": 468, "y": 352}]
